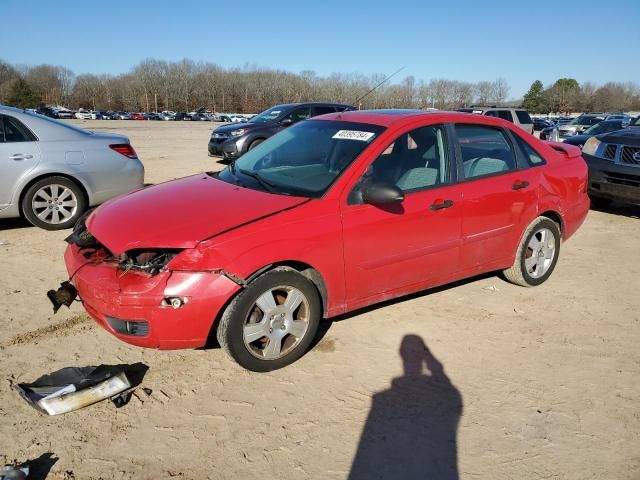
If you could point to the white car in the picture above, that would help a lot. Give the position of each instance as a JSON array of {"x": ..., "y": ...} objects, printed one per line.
[{"x": 83, "y": 114}]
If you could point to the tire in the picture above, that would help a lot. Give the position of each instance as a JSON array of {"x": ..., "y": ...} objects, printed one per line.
[
  {"x": 39, "y": 203},
  {"x": 271, "y": 336},
  {"x": 255, "y": 143},
  {"x": 600, "y": 203},
  {"x": 527, "y": 272}
]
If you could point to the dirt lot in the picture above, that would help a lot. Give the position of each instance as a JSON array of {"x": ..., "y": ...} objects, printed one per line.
[{"x": 540, "y": 383}]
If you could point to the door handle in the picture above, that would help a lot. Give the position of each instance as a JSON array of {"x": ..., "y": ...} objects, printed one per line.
[
  {"x": 440, "y": 206},
  {"x": 20, "y": 156},
  {"x": 519, "y": 185}
]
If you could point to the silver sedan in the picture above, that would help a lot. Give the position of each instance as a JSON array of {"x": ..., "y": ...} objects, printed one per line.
[{"x": 51, "y": 172}]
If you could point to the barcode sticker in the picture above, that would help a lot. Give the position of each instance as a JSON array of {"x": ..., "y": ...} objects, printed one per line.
[{"x": 353, "y": 135}]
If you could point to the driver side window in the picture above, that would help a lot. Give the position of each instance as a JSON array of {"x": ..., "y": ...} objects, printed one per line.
[
  {"x": 298, "y": 114},
  {"x": 414, "y": 161}
]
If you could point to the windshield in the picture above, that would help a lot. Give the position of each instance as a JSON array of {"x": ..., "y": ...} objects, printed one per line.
[
  {"x": 603, "y": 127},
  {"x": 303, "y": 160},
  {"x": 636, "y": 123},
  {"x": 268, "y": 115}
]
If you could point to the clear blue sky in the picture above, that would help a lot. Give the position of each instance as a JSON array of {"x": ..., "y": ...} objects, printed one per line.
[{"x": 463, "y": 40}]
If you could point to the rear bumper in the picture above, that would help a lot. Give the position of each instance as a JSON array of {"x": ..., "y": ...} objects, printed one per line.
[
  {"x": 138, "y": 297},
  {"x": 608, "y": 179},
  {"x": 575, "y": 216}
]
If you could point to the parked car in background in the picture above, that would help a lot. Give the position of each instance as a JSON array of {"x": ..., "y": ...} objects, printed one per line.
[
  {"x": 517, "y": 116},
  {"x": 100, "y": 115},
  {"x": 51, "y": 171},
  {"x": 331, "y": 215},
  {"x": 578, "y": 124},
  {"x": 46, "y": 111},
  {"x": 614, "y": 166},
  {"x": 604, "y": 126},
  {"x": 137, "y": 116},
  {"x": 151, "y": 116},
  {"x": 624, "y": 118},
  {"x": 233, "y": 140},
  {"x": 200, "y": 117},
  {"x": 122, "y": 116},
  {"x": 167, "y": 116},
  {"x": 83, "y": 114},
  {"x": 64, "y": 114},
  {"x": 541, "y": 123}
]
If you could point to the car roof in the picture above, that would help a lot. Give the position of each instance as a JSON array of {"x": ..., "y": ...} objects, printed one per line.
[
  {"x": 389, "y": 117},
  {"x": 311, "y": 104},
  {"x": 44, "y": 128}
]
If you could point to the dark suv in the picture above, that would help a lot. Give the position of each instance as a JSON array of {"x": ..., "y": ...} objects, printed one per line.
[
  {"x": 231, "y": 141},
  {"x": 614, "y": 166}
]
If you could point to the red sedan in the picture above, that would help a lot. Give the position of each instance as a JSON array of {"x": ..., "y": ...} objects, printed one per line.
[
  {"x": 330, "y": 215},
  {"x": 137, "y": 116}
]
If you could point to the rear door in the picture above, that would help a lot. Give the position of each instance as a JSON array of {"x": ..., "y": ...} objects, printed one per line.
[
  {"x": 497, "y": 194},
  {"x": 19, "y": 154},
  {"x": 396, "y": 248}
]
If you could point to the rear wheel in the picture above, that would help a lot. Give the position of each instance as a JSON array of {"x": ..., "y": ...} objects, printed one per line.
[
  {"x": 53, "y": 203},
  {"x": 272, "y": 322},
  {"x": 537, "y": 254}
]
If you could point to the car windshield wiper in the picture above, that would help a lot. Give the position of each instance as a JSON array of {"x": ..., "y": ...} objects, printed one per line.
[{"x": 266, "y": 185}]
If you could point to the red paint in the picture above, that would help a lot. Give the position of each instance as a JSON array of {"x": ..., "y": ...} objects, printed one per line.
[{"x": 364, "y": 254}]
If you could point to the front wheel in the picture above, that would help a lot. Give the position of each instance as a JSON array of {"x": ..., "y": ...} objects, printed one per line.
[
  {"x": 537, "y": 254},
  {"x": 53, "y": 203},
  {"x": 272, "y": 322}
]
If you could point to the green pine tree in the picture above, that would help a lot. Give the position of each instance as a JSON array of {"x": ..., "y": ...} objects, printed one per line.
[
  {"x": 533, "y": 100},
  {"x": 21, "y": 96}
]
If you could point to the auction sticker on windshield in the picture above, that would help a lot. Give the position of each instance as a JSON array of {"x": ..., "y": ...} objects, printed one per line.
[{"x": 353, "y": 135}]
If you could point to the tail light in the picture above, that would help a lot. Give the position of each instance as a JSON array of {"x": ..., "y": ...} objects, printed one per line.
[{"x": 124, "y": 149}]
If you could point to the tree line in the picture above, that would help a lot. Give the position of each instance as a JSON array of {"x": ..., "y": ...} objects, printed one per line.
[
  {"x": 155, "y": 85},
  {"x": 567, "y": 95}
]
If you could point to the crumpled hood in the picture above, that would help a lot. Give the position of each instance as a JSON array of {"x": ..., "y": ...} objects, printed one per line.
[{"x": 181, "y": 213}]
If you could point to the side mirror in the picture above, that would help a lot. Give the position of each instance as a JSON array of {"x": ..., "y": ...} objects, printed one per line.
[
  {"x": 286, "y": 122},
  {"x": 382, "y": 193}
]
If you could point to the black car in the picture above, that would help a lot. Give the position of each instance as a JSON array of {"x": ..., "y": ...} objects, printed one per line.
[
  {"x": 605, "y": 126},
  {"x": 151, "y": 116},
  {"x": 231, "y": 141},
  {"x": 540, "y": 123},
  {"x": 614, "y": 166}
]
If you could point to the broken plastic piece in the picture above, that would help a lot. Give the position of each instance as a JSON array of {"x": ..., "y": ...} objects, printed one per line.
[
  {"x": 65, "y": 295},
  {"x": 72, "y": 388},
  {"x": 14, "y": 472}
]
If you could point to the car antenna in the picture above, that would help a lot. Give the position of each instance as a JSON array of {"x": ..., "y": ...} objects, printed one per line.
[{"x": 383, "y": 81}]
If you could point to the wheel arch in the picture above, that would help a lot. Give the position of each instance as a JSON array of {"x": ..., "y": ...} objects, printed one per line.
[
  {"x": 308, "y": 271},
  {"x": 42, "y": 176},
  {"x": 554, "y": 216}
]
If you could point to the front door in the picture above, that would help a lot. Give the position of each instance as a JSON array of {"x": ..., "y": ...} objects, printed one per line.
[{"x": 397, "y": 248}]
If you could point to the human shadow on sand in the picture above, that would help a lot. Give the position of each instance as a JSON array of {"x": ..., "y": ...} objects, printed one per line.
[{"x": 411, "y": 429}]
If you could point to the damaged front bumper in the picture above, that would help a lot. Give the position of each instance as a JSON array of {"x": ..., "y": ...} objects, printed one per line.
[{"x": 166, "y": 310}]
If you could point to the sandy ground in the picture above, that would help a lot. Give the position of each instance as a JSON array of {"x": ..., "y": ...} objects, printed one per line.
[{"x": 521, "y": 383}]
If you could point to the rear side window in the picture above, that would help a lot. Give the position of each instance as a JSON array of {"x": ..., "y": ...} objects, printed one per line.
[
  {"x": 505, "y": 115},
  {"x": 523, "y": 117},
  {"x": 485, "y": 150},
  {"x": 532, "y": 157},
  {"x": 323, "y": 110},
  {"x": 13, "y": 131}
]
